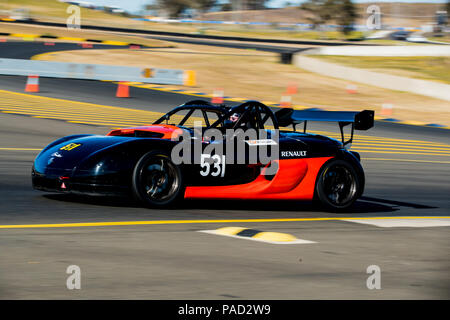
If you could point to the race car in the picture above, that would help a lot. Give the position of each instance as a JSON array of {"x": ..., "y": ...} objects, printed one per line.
[{"x": 204, "y": 151}]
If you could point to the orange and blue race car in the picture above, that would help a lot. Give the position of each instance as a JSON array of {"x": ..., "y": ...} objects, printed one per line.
[{"x": 204, "y": 151}]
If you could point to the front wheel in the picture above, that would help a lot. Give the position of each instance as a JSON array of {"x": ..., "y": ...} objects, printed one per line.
[
  {"x": 338, "y": 185},
  {"x": 157, "y": 181}
]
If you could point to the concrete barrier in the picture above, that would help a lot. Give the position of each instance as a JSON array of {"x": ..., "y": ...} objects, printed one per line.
[
  {"x": 65, "y": 70},
  {"x": 384, "y": 51},
  {"x": 422, "y": 87}
]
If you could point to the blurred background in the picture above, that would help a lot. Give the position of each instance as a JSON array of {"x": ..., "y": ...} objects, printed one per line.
[
  {"x": 332, "y": 54},
  {"x": 295, "y": 18}
]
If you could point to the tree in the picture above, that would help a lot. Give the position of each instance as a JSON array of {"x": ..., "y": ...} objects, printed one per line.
[
  {"x": 447, "y": 8},
  {"x": 203, "y": 5},
  {"x": 343, "y": 12},
  {"x": 321, "y": 10},
  {"x": 345, "y": 15},
  {"x": 256, "y": 4},
  {"x": 226, "y": 7},
  {"x": 174, "y": 7},
  {"x": 248, "y": 4}
]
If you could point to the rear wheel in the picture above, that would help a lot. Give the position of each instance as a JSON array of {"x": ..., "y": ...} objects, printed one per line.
[
  {"x": 338, "y": 185},
  {"x": 157, "y": 181}
]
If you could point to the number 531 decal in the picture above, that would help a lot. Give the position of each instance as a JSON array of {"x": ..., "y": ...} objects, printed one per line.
[{"x": 217, "y": 162}]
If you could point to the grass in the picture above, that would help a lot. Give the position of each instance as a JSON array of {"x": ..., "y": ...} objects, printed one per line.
[
  {"x": 257, "y": 75},
  {"x": 429, "y": 68},
  {"x": 389, "y": 42},
  {"x": 445, "y": 38},
  {"x": 281, "y": 34}
]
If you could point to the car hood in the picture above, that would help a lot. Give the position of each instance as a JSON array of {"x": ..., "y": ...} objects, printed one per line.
[{"x": 67, "y": 154}]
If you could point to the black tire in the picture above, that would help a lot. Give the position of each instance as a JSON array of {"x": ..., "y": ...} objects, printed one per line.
[
  {"x": 157, "y": 181},
  {"x": 338, "y": 185}
]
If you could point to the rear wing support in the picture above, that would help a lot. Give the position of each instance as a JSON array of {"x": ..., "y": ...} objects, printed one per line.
[{"x": 341, "y": 128}]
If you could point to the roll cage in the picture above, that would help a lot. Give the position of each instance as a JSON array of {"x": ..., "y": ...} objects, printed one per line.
[
  {"x": 253, "y": 114},
  {"x": 191, "y": 107}
]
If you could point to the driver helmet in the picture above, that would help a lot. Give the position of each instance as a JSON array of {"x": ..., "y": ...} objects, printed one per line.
[
  {"x": 234, "y": 117},
  {"x": 231, "y": 121}
]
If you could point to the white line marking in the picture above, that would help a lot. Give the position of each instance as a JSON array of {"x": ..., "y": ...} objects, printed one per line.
[{"x": 410, "y": 223}]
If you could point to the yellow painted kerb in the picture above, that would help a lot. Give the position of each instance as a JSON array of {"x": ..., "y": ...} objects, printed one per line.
[
  {"x": 71, "y": 39},
  {"x": 230, "y": 231},
  {"x": 115, "y": 43},
  {"x": 274, "y": 236}
]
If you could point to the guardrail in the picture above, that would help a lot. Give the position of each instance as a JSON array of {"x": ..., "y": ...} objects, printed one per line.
[{"x": 19, "y": 67}]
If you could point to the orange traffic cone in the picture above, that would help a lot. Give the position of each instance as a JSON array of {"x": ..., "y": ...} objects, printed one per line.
[
  {"x": 387, "y": 109},
  {"x": 352, "y": 88},
  {"x": 286, "y": 98},
  {"x": 123, "y": 90},
  {"x": 292, "y": 89},
  {"x": 285, "y": 101},
  {"x": 217, "y": 96},
  {"x": 32, "y": 84}
]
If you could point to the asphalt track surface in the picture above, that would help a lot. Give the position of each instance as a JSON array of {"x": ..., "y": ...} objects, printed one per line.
[
  {"x": 158, "y": 254},
  {"x": 25, "y": 50}
]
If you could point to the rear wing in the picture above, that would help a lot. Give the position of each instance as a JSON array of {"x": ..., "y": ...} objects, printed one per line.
[{"x": 358, "y": 120}]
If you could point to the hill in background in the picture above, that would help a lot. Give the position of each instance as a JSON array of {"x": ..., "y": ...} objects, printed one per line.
[{"x": 394, "y": 14}]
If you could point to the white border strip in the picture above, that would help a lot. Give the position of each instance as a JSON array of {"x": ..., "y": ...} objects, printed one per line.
[{"x": 404, "y": 223}]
